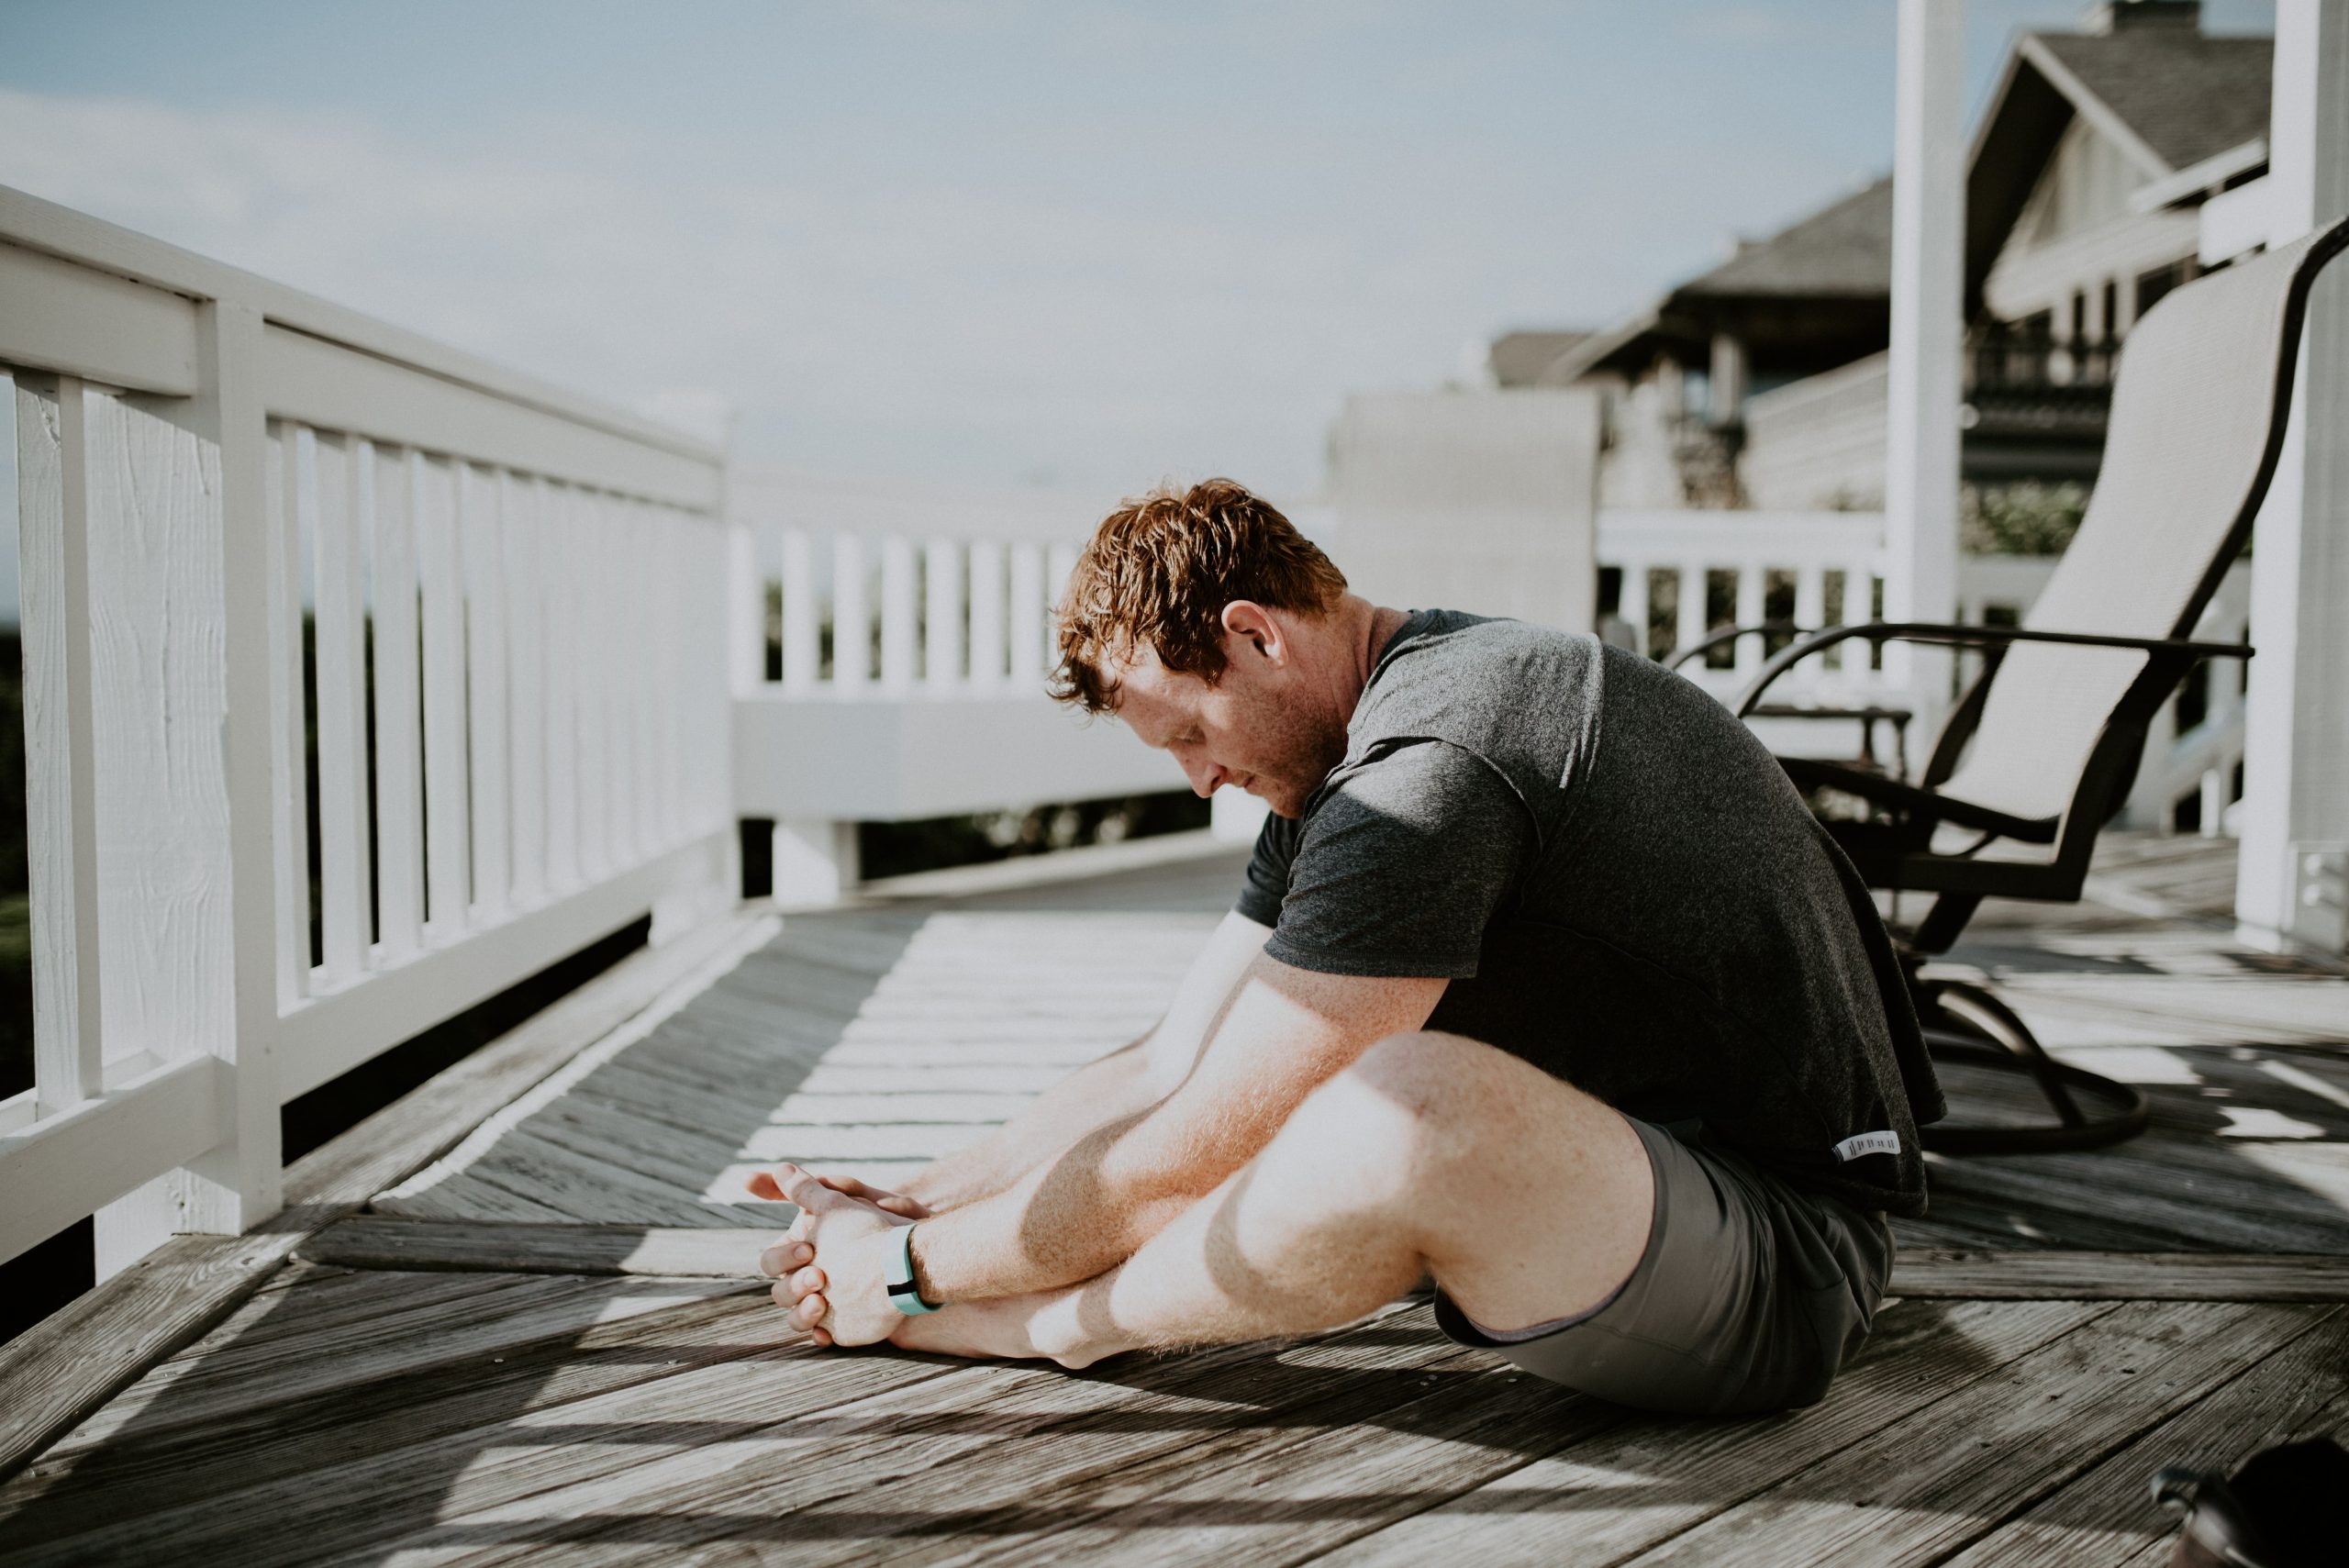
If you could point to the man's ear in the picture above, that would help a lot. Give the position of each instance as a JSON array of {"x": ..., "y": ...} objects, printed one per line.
[{"x": 1255, "y": 625}]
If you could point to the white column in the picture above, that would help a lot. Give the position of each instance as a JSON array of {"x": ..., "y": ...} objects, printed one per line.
[
  {"x": 815, "y": 862},
  {"x": 2290, "y": 887},
  {"x": 1928, "y": 285}
]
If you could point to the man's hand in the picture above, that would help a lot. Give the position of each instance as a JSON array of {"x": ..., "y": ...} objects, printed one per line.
[{"x": 843, "y": 1299}]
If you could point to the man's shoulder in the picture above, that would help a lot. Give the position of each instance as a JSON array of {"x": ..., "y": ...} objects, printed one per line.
[{"x": 1491, "y": 686}]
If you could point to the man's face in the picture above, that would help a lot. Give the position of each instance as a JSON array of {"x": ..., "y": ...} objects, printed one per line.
[{"x": 1257, "y": 727}]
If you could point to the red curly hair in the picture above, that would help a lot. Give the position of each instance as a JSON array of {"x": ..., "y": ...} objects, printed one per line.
[{"x": 1160, "y": 570}]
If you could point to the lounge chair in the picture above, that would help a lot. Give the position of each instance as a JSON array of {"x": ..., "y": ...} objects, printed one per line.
[{"x": 2040, "y": 750}]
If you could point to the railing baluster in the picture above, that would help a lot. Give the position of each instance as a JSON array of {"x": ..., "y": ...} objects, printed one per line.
[
  {"x": 480, "y": 527},
  {"x": 1810, "y": 596},
  {"x": 288, "y": 729},
  {"x": 987, "y": 614},
  {"x": 1027, "y": 625},
  {"x": 558, "y": 537},
  {"x": 1631, "y": 601},
  {"x": 525, "y": 582},
  {"x": 898, "y": 628},
  {"x": 340, "y": 617},
  {"x": 640, "y": 539},
  {"x": 1752, "y": 580},
  {"x": 616, "y": 651},
  {"x": 399, "y": 784},
  {"x": 1060, "y": 565},
  {"x": 447, "y": 845},
  {"x": 852, "y": 617},
  {"x": 802, "y": 646},
  {"x": 584, "y": 548},
  {"x": 60, "y": 773},
  {"x": 942, "y": 615},
  {"x": 1691, "y": 629}
]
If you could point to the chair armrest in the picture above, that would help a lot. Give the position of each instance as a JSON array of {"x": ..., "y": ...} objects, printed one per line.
[
  {"x": 1731, "y": 634},
  {"x": 1972, "y": 636}
]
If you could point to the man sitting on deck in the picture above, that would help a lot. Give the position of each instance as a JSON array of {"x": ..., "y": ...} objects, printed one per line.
[{"x": 1543, "y": 983}]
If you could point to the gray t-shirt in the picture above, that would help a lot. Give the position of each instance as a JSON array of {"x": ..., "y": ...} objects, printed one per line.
[{"x": 1623, "y": 888}]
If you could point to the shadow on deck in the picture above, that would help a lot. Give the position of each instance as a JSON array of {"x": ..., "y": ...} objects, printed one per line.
[{"x": 542, "y": 1340}]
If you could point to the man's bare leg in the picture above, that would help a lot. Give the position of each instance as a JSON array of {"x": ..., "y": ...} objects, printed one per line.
[{"x": 1526, "y": 1199}]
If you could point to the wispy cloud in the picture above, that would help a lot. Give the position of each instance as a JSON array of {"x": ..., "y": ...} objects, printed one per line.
[{"x": 1090, "y": 330}]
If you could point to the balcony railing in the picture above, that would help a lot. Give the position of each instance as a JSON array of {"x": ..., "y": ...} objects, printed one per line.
[
  {"x": 273, "y": 554},
  {"x": 2027, "y": 385}
]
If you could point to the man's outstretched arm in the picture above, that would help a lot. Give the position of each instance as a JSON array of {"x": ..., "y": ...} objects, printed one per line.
[
  {"x": 1286, "y": 1032},
  {"x": 1113, "y": 1089}
]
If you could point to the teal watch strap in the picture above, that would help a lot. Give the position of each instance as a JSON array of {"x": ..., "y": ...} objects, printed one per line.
[{"x": 904, "y": 1293}]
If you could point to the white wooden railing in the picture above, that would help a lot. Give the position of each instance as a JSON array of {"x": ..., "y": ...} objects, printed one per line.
[
  {"x": 515, "y": 607},
  {"x": 914, "y": 631}
]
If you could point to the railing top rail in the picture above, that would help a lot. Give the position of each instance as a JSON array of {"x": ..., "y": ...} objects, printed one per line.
[
  {"x": 1734, "y": 535},
  {"x": 29, "y": 223}
]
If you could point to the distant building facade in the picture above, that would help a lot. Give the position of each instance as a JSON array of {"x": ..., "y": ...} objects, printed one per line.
[{"x": 1762, "y": 384}]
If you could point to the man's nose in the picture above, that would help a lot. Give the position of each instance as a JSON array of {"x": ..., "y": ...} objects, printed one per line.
[{"x": 1206, "y": 777}]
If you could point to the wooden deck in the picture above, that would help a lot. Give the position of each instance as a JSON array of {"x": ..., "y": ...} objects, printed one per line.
[{"x": 538, "y": 1344}]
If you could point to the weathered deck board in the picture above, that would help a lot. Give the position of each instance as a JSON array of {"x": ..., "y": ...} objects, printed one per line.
[
  {"x": 2107, "y": 1517},
  {"x": 61, "y": 1371},
  {"x": 1936, "y": 1481},
  {"x": 665, "y": 1131},
  {"x": 1653, "y": 1478}
]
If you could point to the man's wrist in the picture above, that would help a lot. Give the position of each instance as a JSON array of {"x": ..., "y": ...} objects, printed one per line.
[
  {"x": 898, "y": 1278},
  {"x": 925, "y": 1285}
]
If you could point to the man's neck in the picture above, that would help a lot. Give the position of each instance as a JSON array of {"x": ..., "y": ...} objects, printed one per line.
[{"x": 1369, "y": 629}]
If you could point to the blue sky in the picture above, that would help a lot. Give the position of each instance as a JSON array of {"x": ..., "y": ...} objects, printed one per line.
[{"x": 1088, "y": 245}]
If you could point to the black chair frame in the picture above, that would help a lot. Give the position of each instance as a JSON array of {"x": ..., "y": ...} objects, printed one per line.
[{"x": 1963, "y": 1020}]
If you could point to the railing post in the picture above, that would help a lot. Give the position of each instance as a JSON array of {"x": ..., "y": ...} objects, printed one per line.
[
  {"x": 815, "y": 861},
  {"x": 190, "y": 892},
  {"x": 2292, "y": 887},
  {"x": 1921, "y": 429}
]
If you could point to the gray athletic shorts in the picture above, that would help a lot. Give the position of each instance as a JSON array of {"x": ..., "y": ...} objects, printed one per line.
[{"x": 1749, "y": 1296}]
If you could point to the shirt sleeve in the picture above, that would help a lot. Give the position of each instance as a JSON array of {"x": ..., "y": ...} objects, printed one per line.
[
  {"x": 1402, "y": 864},
  {"x": 1266, "y": 883}
]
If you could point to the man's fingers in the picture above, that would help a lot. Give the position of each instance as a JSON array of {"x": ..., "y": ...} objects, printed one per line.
[
  {"x": 807, "y": 1281},
  {"x": 783, "y": 1257},
  {"x": 763, "y": 1184},
  {"x": 806, "y": 1314},
  {"x": 802, "y": 1187},
  {"x": 904, "y": 1208}
]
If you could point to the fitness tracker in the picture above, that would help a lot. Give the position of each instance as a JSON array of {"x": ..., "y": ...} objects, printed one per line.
[{"x": 904, "y": 1293}]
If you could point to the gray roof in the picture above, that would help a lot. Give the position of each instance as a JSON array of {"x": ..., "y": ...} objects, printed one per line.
[
  {"x": 1519, "y": 358},
  {"x": 2186, "y": 97},
  {"x": 1842, "y": 249}
]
